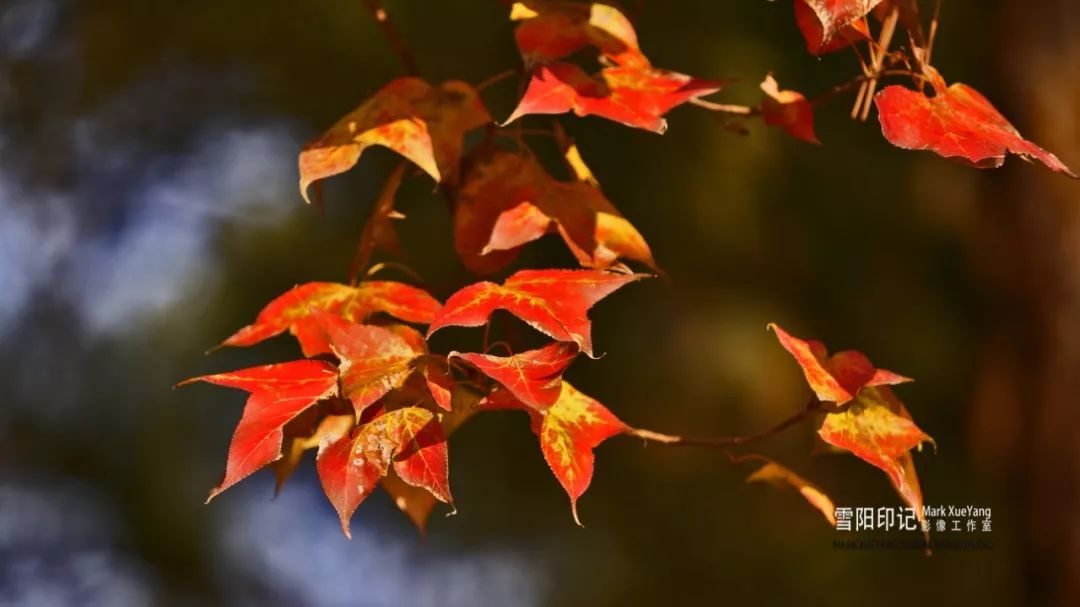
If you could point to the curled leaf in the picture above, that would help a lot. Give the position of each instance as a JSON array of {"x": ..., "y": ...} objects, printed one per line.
[
  {"x": 415, "y": 502},
  {"x": 553, "y": 30},
  {"x": 837, "y": 378},
  {"x": 830, "y": 25},
  {"x": 425, "y": 124},
  {"x": 776, "y": 474},
  {"x": 507, "y": 200},
  {"x": 789, "y": 110}
]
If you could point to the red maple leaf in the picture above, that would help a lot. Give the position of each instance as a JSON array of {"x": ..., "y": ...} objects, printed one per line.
[
  {"x": 554, "y": 302},
  {"x": 837, "y": 378},
  {"x": 279, "y": 393},
  {"x": 957, "y": 122},
  {"x": 507, "y": 200},
  {"x": 533, "y": 377},
  {"x": 830, "y": 25},
  {"x": 351, "y": 468},
  {"x": 636, "y": 95},
  {"x": 424, "y": 123},
  {"x": 294, "y": 311}
]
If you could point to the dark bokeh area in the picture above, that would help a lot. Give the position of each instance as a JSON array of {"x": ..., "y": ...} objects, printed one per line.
[{"x": 148, "y": 208}]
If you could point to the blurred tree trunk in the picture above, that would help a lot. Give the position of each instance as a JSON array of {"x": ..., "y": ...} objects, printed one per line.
[{"x": 1028, "y": 416}]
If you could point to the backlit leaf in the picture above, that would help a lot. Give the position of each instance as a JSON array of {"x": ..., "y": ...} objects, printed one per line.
[
  {"x": 957, "y": 122},
  {"x": 554, "y": 302},
  {"x": 351, "y": 468},
  {"x": 415, "y": 502},
  {"x": 837, "y": 378},
  {"x": 422, "y": 462},
  {"x": 878, "y": 429},
  {"x": 776, "y": 474},
  {"x": 425, "y": 124},
  {"x": 374, "y": 360},
  {"x": 577, "y": 164},
  {"x": 553, "y": 30},
  {"x": 788, "y": 110},
  {"x": 279, "y": 393},
  {"x": 637, "y": 96},
  {"x": 328, "y": 431},
  {"x": 830, "y": 25},
  {"x": 293, "y": 311},
  {"x": 572, "y": 427},
  {"x": 507, "y": 200},
  {"x": 533, "y": 377}
]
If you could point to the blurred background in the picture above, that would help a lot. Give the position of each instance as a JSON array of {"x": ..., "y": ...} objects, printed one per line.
[{"x": 148, "y": 208}]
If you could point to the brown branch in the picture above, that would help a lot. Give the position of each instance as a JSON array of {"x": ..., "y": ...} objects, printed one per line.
[
  {"x": 888, "y": 27},
  {"x": 860, "y": 82},
  {"x": 813, "y": 407},
  {"x": 933, "y": 32},
  {"x": 497, "y": 78},
  {"x": 392, "y": 34}
]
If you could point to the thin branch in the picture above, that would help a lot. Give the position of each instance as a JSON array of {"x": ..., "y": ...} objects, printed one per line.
[
  {"x": 888, "y": 27},
  {"x": 864, "y": 83},
  {"x": 741, "y": 110},
  {"x": 812, "y": 408},
  {"x": 497, "y": 78},
  {"x": 933, "y": 32},
  {"x": 394, "y": 37},
  {"x": 387, "y": 265},
  {"x": 865, "y": 66}
]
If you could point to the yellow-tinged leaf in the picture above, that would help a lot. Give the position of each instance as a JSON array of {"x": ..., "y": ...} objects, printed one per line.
[
  {"x": 878, "y": 429},
  {"x": 350, "y": 469},
  {"x": 507, "y": 200},
  {"x": 577, "y": 164},
  {"x": 571, "y": 428},
  {"x": 295, "y": 310},
  {"x": 424, "y": 123},
  {"x": 415, "y": 502},
  {"x": 776, "y": 474}
]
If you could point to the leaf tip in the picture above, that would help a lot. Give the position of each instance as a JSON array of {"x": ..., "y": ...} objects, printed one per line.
[{"x": 187, "y": 381}]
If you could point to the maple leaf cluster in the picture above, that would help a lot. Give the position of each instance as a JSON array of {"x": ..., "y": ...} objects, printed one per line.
[{"x": 377, "y": 406}]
